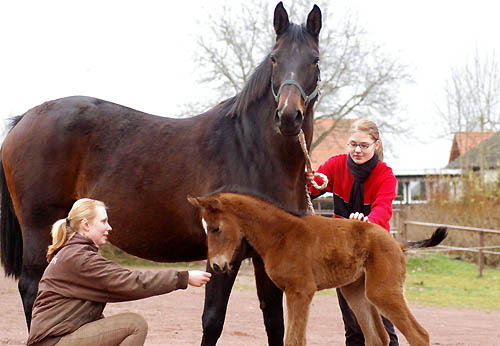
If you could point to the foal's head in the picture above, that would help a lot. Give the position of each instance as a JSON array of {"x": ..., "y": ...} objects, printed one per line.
[
  {"x": 225, "y": 239},
  {"x": 295, "y": 70}
]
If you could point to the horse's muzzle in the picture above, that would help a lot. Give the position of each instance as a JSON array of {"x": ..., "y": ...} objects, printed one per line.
[{"x": 288, "y": 121}]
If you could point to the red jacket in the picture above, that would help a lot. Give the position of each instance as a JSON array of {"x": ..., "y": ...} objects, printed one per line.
[{"x": 379, "y": 189}]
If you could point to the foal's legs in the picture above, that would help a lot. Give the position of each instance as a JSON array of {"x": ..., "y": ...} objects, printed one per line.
[
  {"x": 298, "y": 301},
  {"x": 271, "y": 303},
  {"x": 217, "y": 293},
  {"x": 366, "y": 313},
  {"x": 398, "y": 312},
  {"x": 384, "y": 288}
]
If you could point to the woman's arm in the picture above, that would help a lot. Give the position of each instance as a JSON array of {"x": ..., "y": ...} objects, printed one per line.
[
  {"x": 102, "y": 280},
  {"x": 381, "y": 208}
]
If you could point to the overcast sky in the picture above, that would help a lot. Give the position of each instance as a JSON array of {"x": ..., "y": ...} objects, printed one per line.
[{"x": 140, "y": 54}]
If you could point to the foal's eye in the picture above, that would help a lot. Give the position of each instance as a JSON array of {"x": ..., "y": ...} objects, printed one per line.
[
  {"x": 316, "y": 61},
  {"x": 273, "y": 59}
]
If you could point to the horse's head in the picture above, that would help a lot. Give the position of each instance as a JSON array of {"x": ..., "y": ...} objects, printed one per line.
[
  {"x": 225, "y": 239},
  {"x": 295, "y": 70}
]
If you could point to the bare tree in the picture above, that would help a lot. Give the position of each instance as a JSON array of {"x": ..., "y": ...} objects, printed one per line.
[
  {"x": 473, "y": 100},
  {"x": 358, "y": 77}
]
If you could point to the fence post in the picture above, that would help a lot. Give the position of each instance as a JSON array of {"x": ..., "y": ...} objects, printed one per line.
[
  {"x": 481, "y": 255},
  {"x": 405, "y": 232}
]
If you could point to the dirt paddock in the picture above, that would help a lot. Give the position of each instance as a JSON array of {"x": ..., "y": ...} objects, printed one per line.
[{"x": 175, "y": 319}]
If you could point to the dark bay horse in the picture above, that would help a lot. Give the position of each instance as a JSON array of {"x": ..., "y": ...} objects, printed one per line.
[
  {"x": 303, "y": 254},
  {"x": 143, "y": 167}
]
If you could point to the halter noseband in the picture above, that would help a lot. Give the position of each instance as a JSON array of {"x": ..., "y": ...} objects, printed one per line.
[{"x": 306, "y": 98}]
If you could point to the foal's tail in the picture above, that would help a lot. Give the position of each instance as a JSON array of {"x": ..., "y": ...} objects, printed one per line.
[
  {"x": 437, "y": 237},
  {"x": 11, "y": 239}
]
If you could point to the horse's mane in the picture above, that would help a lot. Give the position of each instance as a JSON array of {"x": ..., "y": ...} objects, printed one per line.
[
  {"x": 14, "y": 120},
  {"x": 260, "y": 80},
  {"x": 258, "y": 195},
  {"x": 255, "y": 88}
]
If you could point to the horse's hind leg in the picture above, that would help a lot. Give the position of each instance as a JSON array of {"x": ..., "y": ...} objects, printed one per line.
[
  {"x": 271, "y": 304},
  {"x": 217, "y": 293},
  {"x": 366, "y": 313},
  {"x": 35, "y": 242},
  {"x": 28, "y": 288}
]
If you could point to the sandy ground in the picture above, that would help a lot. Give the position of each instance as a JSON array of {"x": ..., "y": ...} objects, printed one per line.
[{"x": 175, "y": 319}]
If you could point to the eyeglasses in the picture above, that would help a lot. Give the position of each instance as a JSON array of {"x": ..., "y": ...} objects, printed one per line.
[{"x": 362, "y": 146}]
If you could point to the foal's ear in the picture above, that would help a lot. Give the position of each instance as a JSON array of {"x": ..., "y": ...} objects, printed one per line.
[
  {"x": 281, "y": 21},
  {"x": 193, "y": 201},
  {"x": 211, "y": 205},
  {"x": 314, "y": 21}
]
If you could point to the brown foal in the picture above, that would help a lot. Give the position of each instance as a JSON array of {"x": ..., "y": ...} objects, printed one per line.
[{"x": 304, "y": 254}]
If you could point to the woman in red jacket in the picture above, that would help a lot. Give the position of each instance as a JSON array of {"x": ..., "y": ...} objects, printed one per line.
[
  {"x": 78, "y": 282},
  {"x": 363, "y": 188}
]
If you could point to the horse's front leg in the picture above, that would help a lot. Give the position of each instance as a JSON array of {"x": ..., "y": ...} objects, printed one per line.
[
  {"x": 271, "y": 304},
  {"x": 298, "y": 301},
  {"x": 217, "y": 293}
]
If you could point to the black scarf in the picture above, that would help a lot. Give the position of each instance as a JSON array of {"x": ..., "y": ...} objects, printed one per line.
[{"x": 360, "y": 173}]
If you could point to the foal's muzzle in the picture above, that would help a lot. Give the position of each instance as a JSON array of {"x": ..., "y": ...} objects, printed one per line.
[{"x": 226, "y": 268}]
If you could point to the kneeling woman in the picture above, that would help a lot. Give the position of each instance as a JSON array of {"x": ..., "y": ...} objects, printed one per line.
[{"x": 78, "y": 282}]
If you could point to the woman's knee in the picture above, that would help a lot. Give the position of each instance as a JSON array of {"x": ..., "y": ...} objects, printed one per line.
[{"x": 139, "y": 322}]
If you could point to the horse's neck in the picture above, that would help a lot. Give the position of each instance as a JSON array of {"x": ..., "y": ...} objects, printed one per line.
[
  {"x": 269, "y": 151},
  {"x": 250, "y": 151}
]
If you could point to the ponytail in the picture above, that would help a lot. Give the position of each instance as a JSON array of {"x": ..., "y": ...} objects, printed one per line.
[
  {"x": 59, "y": 234},
  {"x": 380, "y": 151}
]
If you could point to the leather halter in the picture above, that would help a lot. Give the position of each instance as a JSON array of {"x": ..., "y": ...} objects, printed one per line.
[{"x": 306, "y": 98}]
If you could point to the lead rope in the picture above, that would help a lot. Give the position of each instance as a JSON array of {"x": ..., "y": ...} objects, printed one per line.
[{"x": 309, "y": 169}]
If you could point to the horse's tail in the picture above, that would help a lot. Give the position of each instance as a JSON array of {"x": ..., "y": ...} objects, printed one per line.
[
  {"x": 11, "y": 239},
  {"x": 437, "y": 237}
]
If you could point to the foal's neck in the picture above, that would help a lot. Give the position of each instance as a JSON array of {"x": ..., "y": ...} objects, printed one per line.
[{"x": 266, "y": 226}]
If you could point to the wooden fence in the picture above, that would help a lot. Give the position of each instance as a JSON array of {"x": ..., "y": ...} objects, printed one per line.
[
  {"x": 481, "y": 249},
  {"x": 398, "y": 224}
]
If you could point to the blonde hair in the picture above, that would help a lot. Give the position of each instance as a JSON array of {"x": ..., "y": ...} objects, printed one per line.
[
  {"x": 64, "y": 229},
  {"x": 369, "y": 127}
]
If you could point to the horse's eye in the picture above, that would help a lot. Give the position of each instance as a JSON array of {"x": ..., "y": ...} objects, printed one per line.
[
  {"x": 316, "y": 61},
  {"x": 215, "y": 230},
  {"x": 273, "y": 59}
]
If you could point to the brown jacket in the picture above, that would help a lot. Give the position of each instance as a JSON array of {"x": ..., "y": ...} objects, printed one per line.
[{"x": 78, "y": 283}]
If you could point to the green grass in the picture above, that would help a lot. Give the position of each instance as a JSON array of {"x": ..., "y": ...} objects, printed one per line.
[{"x": 438, "y": 280}]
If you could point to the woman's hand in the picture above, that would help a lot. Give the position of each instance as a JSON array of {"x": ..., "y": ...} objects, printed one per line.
[
  {"x": 198, "y": 278},
  {"x": 309, "y": 178},
  {"x": 358, "y": 216}
]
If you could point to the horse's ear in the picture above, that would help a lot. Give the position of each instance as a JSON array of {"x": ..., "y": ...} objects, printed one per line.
[
  {"x": 280, "y": 19},
  {"x": 314, "y": 21}
]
